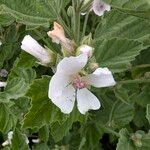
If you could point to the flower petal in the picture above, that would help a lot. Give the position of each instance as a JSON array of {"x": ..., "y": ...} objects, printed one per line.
[
  {"x": 101, "y": 77},
  {"x": 86, "y": 101},
  {"x": 72, "y": 65},
  {"x": 61, "y": 93}
]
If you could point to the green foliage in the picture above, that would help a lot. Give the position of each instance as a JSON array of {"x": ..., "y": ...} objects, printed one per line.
[
  {"x": 59, "y": 130},
  {"x": 115, "y": 53},
  {"x": 42, "y": 111},
  {"x": 138, "y": 140},
  {"x": 121, "y": 25},
  {"x": 19, "y": 141},
  {"x": 134, "y": 7},
  {"x": 148, "y": 113},
  {"x": 7, "y": 118}
]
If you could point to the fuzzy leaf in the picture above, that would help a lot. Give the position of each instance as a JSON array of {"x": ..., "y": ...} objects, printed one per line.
[
  {"x": 134, "y": 7},
  {"x": 116, "y": 54},
  {"x": 19, "y": 141},
  {"x": 42, "y": 111},
  {"x": 7, "y": 118},
  {"x": 121, "y": 25}
]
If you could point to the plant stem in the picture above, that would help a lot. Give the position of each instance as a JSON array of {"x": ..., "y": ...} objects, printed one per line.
[
  {"x": 109, "y": 130},
  {"x": 85, "y": 24},
  {"x": 134, "y": 81}
]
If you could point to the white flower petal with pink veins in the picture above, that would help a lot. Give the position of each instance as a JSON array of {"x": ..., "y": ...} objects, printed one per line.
[
  {"x": 72, "y": 65},
  {"x": 99, "y": 7},
  {"x": 101, "y": 77},
  {"x": 67, "y": 84},
  {"x": 62, "y": 93},
  {"x": 86, "y": 101}
]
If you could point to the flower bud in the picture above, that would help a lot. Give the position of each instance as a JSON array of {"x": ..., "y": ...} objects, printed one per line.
[
  {"x": 85, "y": 49},
  {"x": 87, "y": 40},
  {"x": 58, "y": 36},
  {"x": 70, "y": 11},
  {"x": 0, "y": 43},
  {"x": 99, "y": 7},
  {"x": 3, "y": 84},
  {"x": 3, "y": 73},
  {"x": 137, "y": 139},
  {"x": 32, "y": 47}
]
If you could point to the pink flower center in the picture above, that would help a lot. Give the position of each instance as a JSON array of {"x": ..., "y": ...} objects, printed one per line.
[{"x": 78, "y": 82}]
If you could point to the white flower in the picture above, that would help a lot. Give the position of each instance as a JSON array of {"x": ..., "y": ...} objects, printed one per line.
[
  {"x": 85, "y": 49},
  {"x": 67, "y": 85},
  {"x": 99, "y": 7},
  {"x": 0, "y": 43},
  {"x": 32, "y": 47},
  {"x": 9, "y": 138},
  {"x": 3, "y": 84}
]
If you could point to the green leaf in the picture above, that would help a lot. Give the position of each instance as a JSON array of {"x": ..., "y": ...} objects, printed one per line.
[
  {"x": 16, "y": 88},
  {"x": 19, "y": 79},
  {"x": 6, "y": 52},
  {"x": 42, "y": 111},
  {"x": 121, "y": 25},
  {"x": 144, "y": 96},
  {"x": 41, "y": 146},
  {"x": 5, "y": 20},
  {"x": 148, "y": 113},
  {"x": 32, "y": 13},
  {"x": 124, "y": 142},
  {"x": 134, "y": 7},
  {"x": 133, "y": 141},
  {"x": 19, "y": 141},
  {"x": 7, "y": 118},
  {"x": 116, "y": 54},
  {"x": 114, "y": 114},
  {"x": 44, "y": 133},
  {"x": 92, "y": 134},
  {"x": 140, "y": 117},
  {"x": 59, "y": 130},
  {"x": 121, "y": 114}
]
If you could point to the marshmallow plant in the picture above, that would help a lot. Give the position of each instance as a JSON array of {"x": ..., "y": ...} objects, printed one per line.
[{"x": 69, "y": 84}]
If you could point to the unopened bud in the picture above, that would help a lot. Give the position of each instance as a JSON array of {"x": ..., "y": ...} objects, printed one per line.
[
  {"x": 93, "y": 66},
  {"x": 32, "y": 47},
  {"x": 137, "y": 139},
  {"x": 85, "y": 49},
  {"x": 58, "y": 36},
  {"x": 87, "y": 40},
  {"x": 70, "y": 11},
  {"x": 3, "y": 73}
]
